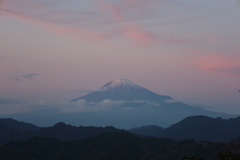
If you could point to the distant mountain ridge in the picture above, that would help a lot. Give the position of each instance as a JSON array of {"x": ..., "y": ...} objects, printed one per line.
[
  {"x": 19, "y": 125},
  {"x": 203, "y": 128},
  {"x": 199, "y": 128},
  {"x": 60, "y": 131}
]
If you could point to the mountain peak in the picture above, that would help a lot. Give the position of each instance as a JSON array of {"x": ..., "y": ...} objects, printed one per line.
[
  {"x": 122, "y": 89},
  {"x": 118, "y": 83}
]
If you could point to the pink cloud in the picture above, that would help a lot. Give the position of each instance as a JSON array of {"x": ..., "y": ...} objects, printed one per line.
[
  {"x": 138, "y": 34},
  {"x": 219, "y": 63},
  {"x": 143, "y": 37},
  {"x": 76, "y": 33},
  {"x": 133, "y": 32},
  {"x": 88, "y": 26}
]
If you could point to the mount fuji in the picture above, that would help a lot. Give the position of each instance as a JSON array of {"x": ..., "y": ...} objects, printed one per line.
[
  {"x": 139, "y": 106},
  {"x": 123, "y": 89}
]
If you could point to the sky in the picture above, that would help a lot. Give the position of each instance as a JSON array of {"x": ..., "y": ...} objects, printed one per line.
[{"x": 53, "y": 51}]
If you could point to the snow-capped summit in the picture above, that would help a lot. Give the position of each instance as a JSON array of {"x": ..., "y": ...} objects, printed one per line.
[
  {"x": 119, "y": 83},
  {"x": 122, "y": 89}
]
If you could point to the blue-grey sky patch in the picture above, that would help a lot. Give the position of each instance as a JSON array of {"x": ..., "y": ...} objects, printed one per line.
[
  {"x": 2, "y": 57},
  {"x": 233, "y": 71},
  {"x": 14, "y": 78},
  {"x": 18, "y": 76},
  {"x": 7, "y": 101},
  {"x": 30, "y": 76},
  {"x": 85, "y": 90}
]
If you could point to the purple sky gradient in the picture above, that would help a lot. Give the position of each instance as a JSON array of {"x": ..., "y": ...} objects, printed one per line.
[{"x": 187, "y": 49}]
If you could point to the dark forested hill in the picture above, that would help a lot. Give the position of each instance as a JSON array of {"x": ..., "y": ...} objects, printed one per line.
[
  {"x": 149, "y": 130},
  {"x": 60, "y": 131},
  {"x": 7, "y": 134},
  {"x": 114, "y": 146}
]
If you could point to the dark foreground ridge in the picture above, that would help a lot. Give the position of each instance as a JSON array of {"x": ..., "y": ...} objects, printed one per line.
[
  {"x": 60, "y": 131},
  {"x": 149, "y": 130},
  {"x": 62, "y": 141},
  {"x": 109, "y": 146}
]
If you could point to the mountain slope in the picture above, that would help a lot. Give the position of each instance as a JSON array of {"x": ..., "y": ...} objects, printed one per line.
[
  {"x": 138, "y": 105},
  {"x": 60, "y": 131},
  {"x": 122, "y": 89}
]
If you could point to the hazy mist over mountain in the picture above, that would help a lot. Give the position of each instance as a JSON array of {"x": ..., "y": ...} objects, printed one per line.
[{"x": 119, "y": 103}]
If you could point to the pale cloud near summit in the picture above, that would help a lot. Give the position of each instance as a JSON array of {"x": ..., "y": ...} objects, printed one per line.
[
  {"x": 106, "y": 105},
  {"x": 83, "y": 106},
  {"x": 10, "y": 106}
]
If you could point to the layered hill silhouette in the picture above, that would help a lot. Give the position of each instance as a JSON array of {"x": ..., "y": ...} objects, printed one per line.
[
  {"x": 114, "y": 146},
  {"x": 149, "y": 130},
  {"x": 19, "y": 125},
  {"x": 199, "y": 128},
  {"x": 60, "y": 131},
  {"x": 203, "y": 128}
]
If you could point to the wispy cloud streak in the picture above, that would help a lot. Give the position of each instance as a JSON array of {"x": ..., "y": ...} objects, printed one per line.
[
  {"x": 30, "y": 76},
  {"x": 19, "y": 75},
  {"x": 95, "y": 23}
]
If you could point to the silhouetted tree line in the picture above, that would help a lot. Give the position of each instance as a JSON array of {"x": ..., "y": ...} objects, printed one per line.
[
  {"x": 192, "y": 158},
  {"x": 232, "y": 153}
]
